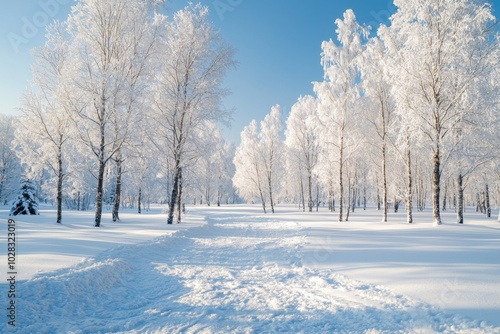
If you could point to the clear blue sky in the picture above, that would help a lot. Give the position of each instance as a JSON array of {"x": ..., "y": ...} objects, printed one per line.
[{"x": 278, "y": 45}]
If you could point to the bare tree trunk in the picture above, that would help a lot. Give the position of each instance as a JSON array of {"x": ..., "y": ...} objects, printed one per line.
[
  {"x": 139, "y": 201},
  {"x": 409, "y": 195},
  {"x": 175, "y": 191},
  {"x": 99, "y": 196},
  {"x": 364, "y": 195},
  {"x": 483, "y": 202},
  {"x": 445, "y": 195},
  {"x": 317, "y": 197},
  {"x": 384, "y": 177},
  {"x": 478, "y": 202},
  {"x": 341, "y": 176},
  {"x": 60, "y": 177},
  {"x": 100, "y": 178},
  {"x": 378, "y": 196},
  {"x": 309, "y": 199},
  {"x": 270, "y": 184},
  {"x": 460, "y": 190},
  {"x": 348, "y": 209},
  {"x": 262, "y": 200},
  {"x": 488, "y": 207},
  {"x": 302, "y": 200},
  {"x": 118, "y": 188},
  {"x": 179, "y": 198},
  {"x": 436, "y": 187}
]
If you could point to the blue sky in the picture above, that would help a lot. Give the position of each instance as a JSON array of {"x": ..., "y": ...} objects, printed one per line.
[{"x": 278, "y": 44}]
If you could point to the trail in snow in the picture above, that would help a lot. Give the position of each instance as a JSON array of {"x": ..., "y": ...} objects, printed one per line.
[{"x": 234, "y": 274}]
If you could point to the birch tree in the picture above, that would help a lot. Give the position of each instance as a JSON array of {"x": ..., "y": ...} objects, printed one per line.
[
  {"x": 377, "y": 86},
  {"x": 9, "y": 162},
  {"x": 301, "y": 140},
  {"x": 339, "y": 92},
  {"x": 249, "y": 179},
  {"x": 271, "y": 150},
  {"x": 441, "y": 48},
  {"x": 107, "y": 62},
  {"x": 44, "y": 124},
  {"x": 188, "y": 87}
]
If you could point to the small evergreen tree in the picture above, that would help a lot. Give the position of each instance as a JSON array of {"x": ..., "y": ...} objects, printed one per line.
[{"x": 26, "y": 203}]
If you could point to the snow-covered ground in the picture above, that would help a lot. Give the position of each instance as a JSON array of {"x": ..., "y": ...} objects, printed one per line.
[{"x": 233, "y": 269}]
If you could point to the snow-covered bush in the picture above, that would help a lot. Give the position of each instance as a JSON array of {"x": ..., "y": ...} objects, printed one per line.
[{"x": 26, "y": 203}]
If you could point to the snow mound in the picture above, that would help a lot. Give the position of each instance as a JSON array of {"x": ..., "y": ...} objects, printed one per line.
[{"x": 230, "y": 275}]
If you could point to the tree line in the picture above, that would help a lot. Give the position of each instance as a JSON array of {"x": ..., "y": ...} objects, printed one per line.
[
  {"x": 121, "y": 92},
  {"x": 125, "y": 105},
  {"x": 407, "y": 114}
]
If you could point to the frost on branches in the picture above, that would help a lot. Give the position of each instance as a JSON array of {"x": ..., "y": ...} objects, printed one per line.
[{"x": 26, "y": 203}]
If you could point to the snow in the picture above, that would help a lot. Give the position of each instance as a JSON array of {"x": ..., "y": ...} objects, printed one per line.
[{"x": 234, "y": 269}]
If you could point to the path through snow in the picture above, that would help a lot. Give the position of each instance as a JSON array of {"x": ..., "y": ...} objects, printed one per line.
[{"x": 234, "y": 274}]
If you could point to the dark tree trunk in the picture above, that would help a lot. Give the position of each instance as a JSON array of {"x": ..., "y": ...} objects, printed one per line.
[
  {"x": 445, "y": 195},
  {"x": 262, "y": 200},
  {"x": 488, "y": 207},
  {"x": 378, "y": 197},
  {"x": 409, "y": 195},
  {"x": 139, "y": 201},
  {"x": 317, "y": 197},
  {"x": 269, "y": 181},
  {"x": 364, "y": 196},
  {"x": 60, "y": 177},
  {"x": 100, "y": 178},
  {"x": 309, "y": 196},
  {"x": 99, "y": 196},
  {"x": 302, "y": 200},
  {"x": 173, "y": 197},
  {"x": 460, "y": 190},
  {"x": 179, "y": 199},
  {"x": 436, "y": 188},
  {"x": 118, "y": 189},
  {"x": 478, "y": 202}
]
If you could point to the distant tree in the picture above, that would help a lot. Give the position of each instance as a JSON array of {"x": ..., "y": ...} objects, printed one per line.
[
  {"x": 271, "y": 150},
  {"x": 26, "y": 202},
  {"x": 377, "y": 86},
  {"x": 339, "y": 92},
  {"x": 9, "y": 162},
  {"x": 301, "y": 140},
  {"x": 249, "y": 177},
  {"x": 212, "y": 172}
]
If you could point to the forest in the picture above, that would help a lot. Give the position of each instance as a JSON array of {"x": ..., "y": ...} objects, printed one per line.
[{"x": 125, "y": 109}]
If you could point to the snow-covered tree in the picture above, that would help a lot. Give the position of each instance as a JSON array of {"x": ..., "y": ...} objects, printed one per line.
[
  {"x": 26, "y": 202},
  {"x": 441, "y": 48},
  {"x": 259, "y": 160},
  {"x": 339, "y": 92},
  {"x": 109, "y": 45},
  {"x": 301, "y": 140},
  {"x": 212, "y": 171},
  {"x": 44, "y": 128},
  {"x": 249, "y": 177},
  {"x": 9, "y": 163},
  {"x": 188, "y": 88},
  {"x": 377, "y": 86},
  {"x": 271, "y": 150}
]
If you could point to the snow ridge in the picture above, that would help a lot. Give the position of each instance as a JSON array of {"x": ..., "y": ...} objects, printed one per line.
[{"x": 233, "y": 274}]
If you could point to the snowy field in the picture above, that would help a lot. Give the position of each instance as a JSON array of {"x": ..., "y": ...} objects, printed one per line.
[{"x": 233, "y": 269}]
